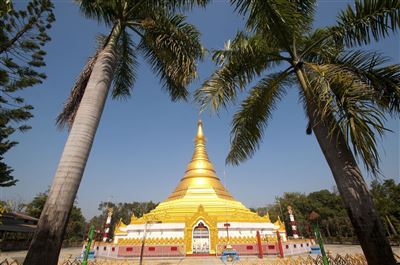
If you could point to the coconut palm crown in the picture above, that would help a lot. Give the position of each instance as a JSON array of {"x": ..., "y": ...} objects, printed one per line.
[
  {"x": 149, "y": 28},
  {"x": 345, "y": 91}
]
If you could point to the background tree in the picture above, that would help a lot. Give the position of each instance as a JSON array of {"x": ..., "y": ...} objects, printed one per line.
[
  {"x": 344, "y": 92},
  {"x": 76, "y": 223},
  {"x": 167, "y": 42},
  {"x": 23, "y": 34},
  {"x": 12, "y": 205},
  {"x": 387, "y": 200},
  {"x": 121, "y": 211},
  {"x": 35, "y": 207},
  {"x": 334, "y": 222}
]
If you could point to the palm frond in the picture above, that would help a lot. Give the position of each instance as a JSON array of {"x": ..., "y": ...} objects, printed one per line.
[
  {"x": 172, "y": 47},
  {"x": 341, "y": 93},
  {"x": 67, "y": 116},
  {"x": 244, "y": 47},
  {"x": 370, "y": 19},
  {"x": 242, "y": 60},
  {"x": 252, "y": 118},
  {"x": 219, "y": 90},
  {"x": 319, "y": 47},
  {"x": 307, "y": 9},
  {"x": 179, "y": 5},
  {"x": 384, "y": 80},
  {"x": 102, "y": 11},
  {"x": 286, "y": 20},
  {"x": 125, "y": 74}
]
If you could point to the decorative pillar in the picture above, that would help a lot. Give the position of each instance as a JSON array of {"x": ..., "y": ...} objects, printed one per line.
[
  {"x": 260, "y": 250},
  {"x": 293, "y": 223},
  {"x": 107, "y": 225},
  {"x": 213, "y": 238},
  {"x": 280, "y": 247},
  {"x": 227, "y": 225}
]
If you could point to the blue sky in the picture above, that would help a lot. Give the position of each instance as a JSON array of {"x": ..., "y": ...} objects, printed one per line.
[{"x": 143, "y": 144}]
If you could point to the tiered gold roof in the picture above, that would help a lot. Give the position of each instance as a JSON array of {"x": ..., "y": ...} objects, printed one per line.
[{"x": 200, "y": 188}]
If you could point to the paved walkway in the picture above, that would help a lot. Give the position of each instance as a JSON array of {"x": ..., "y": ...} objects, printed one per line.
[
  {"x": 352, "y": 249},
  {"x": 74, "y": 252}
]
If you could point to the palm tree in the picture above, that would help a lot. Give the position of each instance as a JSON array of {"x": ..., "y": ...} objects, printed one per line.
[
  {"x": 345, "y": 93},
  {"x": 169, "y": 44}
]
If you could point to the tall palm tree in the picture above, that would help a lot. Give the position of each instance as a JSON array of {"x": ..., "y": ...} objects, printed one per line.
[
  {"x": 169, "y": 44},
  {"x": 345, "y": 92}
]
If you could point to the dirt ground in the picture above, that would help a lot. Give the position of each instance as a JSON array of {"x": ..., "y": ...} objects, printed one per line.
[{"x": 75, "y": 252}]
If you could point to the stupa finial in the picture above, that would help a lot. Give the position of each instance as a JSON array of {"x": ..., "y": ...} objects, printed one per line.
[
  {"x": 200, "y": 134},
  {"x": 200, "y": 165},
  {"x": 200, "y": 152}
]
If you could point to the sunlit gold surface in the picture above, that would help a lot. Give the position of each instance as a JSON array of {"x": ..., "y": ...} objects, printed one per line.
[
  {"x": 118, "y": 227},
  {"x": 151, "y": 241},
  {"x": 200, "y": 186},
  {"x": 199, "y": 197},
  {"x": 280, "y": 224}
]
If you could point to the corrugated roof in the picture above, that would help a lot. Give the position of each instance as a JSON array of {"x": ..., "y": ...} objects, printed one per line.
[
  {"x": 25, "y": 228},
  {"x": 19, "y": 215}
]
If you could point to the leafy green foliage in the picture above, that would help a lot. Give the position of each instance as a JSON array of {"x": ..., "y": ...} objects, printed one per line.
[
  {"x": 317, "y": 46},
  {"x": 369, "y": 20},
  {"x": 110, "y": 10},
  {"x": 333, "y": 218},
  {"x": 281, "y": 18},
  {"x": 372, "y": 71},
  {"x": 256, "y": 110},
  {"x": 76, "y": 223},
  {"x": 35, "y": 207},
  {"x": 387, "y": 200},
  {"x": 349, "y": 91},
  {"x": 121, "y": 211},
  {"x": 22, "y": 37},
  {"x": 125, "y": 75},
  {"x": 242, "y": 60},
  {"x": 169, "y": 44},
  {"x": 355, "y": 88}
]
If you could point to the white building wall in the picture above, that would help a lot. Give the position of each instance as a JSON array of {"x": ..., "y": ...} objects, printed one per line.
[
  {"x": 162, "y": 230},
  {"x": 156, "y": 233},
  {"x": 246, "y": 229},
  {"x": 171, "y": 230}
]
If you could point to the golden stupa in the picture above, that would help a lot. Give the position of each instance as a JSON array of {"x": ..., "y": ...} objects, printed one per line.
[
  {"x": 201, "y": 186},
  {"x": 198, "y": 213}
]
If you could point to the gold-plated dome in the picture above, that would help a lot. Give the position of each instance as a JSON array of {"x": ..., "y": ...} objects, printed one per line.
[{"x": 200, "y": 187}]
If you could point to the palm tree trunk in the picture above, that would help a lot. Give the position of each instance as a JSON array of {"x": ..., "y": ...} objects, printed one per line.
[
  {"x": 46, "y": 244},
  {"x": 355, "y": 194},
  {"x": 352, "y": 187}
]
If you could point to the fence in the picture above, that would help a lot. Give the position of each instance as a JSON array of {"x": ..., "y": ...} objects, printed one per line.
[
  {"x": 300, "y": 260},
  {"x": 310, "y": 260}
]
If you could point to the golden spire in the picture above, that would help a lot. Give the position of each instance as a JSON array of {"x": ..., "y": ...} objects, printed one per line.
[
  {"x": 200, "y": 173},
  {"x": 200, "y": 165}
]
